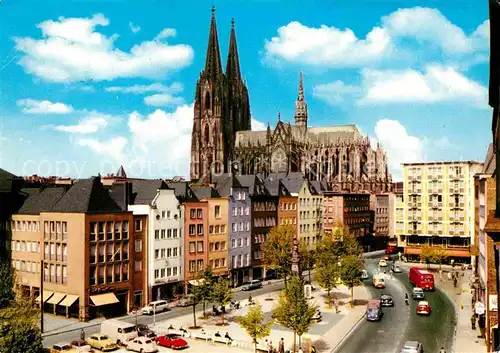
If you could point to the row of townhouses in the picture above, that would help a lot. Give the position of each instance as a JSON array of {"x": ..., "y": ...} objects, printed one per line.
[{"x": 111, "y": 244}]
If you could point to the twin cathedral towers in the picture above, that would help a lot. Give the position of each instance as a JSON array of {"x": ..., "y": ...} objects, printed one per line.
[{"x": 222, "y": 140}]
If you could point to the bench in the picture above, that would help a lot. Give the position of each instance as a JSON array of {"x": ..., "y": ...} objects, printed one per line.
[
  {"x": 201, "y": 336},
  {"x": 221, "y": 339}
]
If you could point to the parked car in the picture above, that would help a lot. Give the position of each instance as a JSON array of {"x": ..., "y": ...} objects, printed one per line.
[
  {"x": 271, "y": 274},
  {"x": 157, "y": 306},
  {"x": 63, "y": 347},
  {"x": 186, "y": 301},
  {"x": 386, "y": 300},
  {"x": 423, "y": 308},
  {"x": 143, "y": 345},
  {"x": 145, "y": 331},
  {"x": 364, "y": 275},
  {"x": 396, "y": 269},
  {"x": 173, "y": 341},
  {"x": 102, "y": 342},
  {"x": 382, "y": 263},
  {"x": 253, "y": 284},
  {"x": 412, "y": 347},
  {"x": 417, "y": 293},
  {"x": 82, "y": 346}
]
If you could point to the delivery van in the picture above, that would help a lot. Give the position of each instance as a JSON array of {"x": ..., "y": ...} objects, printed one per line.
[
  {"x": 119, "y": 331},
  {"x": 421, "y": 278}
]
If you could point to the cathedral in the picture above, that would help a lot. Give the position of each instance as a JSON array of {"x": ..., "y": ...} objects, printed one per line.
[{"x": 222, "y": 139}]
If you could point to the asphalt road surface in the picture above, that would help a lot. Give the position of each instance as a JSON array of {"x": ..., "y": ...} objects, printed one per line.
[
  {"x": 175, "y": 312},
  {"x": 401, "y": 323}
]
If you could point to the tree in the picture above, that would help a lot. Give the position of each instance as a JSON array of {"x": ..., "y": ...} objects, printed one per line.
[
  {"x": 327, "y": 270},
  {"x": 19, "y": 332},
  {"x": 207, "y": 283},
  {"x": 6, "y": 283},
  {"x": 351, "y": 266},
  {"x": 222, "y": 294},
  {"x": 307, "y": 258},
  {"x": 253, "y": 323},
  {"x": 293, "y": 311},
  {"x": 438, "y": 256},
  {"x": 197, "y": 292},
  {"x": 426, "y": 254},
  {"x": 348, "y": 244},
  {"x": 277, "y": 249}
]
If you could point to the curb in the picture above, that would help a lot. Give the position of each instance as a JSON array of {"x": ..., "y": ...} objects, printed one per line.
[
  {"x": 453, "y": 342},
  {"x": 349, "y": 333}
]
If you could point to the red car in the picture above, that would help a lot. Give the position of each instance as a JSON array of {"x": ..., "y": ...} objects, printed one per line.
[
  {"x": 423, "y": 308},
  {"x": 172, "y": 340}
]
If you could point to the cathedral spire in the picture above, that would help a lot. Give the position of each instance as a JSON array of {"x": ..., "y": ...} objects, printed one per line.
[
  {"x": 301, "y": 106},
  {"x": 213, "y": 64},
  {"x": 233, "y": 62}
]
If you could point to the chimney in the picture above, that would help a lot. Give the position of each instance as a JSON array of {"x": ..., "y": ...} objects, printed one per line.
[{"x": 127, "y": 193}]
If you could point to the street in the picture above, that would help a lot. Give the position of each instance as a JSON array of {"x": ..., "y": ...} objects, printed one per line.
[
  {"x": 400, "y": 323},
  {"x": 175, "y": 312}
]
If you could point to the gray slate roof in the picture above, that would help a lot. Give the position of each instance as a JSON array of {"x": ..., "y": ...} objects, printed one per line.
[
  {"x": 41, "y": 200},
  {"x": 144, "y": 191},
  {"x": 490, "y": 162},
  {"x": 181, "y": 190},
  {"x": 6, "y": 180},
  {"x": 204, "y": 192},
  {"x": 225, "y": 182}
]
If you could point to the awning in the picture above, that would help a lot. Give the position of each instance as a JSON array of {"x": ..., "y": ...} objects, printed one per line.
[
  {"x": 197, "y": 282},
  {"x": 46, "y": 295},
  {"x": 69, "y": 300},
  {"x": 104, "y": 299},
  {"x": 449, "y": 252},
  {"x": 56, "y": 298}
]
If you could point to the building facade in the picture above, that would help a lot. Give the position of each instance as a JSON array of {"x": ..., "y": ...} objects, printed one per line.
[
  {"x": 310, "y": 213},
  {"x": 439, "y": 207},
  {"x": 218, "y": 235},
  {"x": 383, "y": 227},
  {"x": 195, "y": 239}
]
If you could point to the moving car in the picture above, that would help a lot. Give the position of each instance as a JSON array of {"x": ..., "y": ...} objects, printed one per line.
[
  {"x": 145, "y": 331},
  {"x": 157, "y": 306},
  {"x": 412, "y": 347},
  {"x": 417, "y": 293},
  {"x": 82, "y": 346},
  {"x": 396, "y": 269},
  {"x": 364, "y": 275},
  {"x": 186, "y": 301},
  {"x": 387, "y": 257},
  {"x": 173, "y": 341},
  {"x": 378, "y": 281},
  {"x": 62, "y": 347},
  {"x": 143, "y": 345},
  {"x": 386, "y": 300},
  {"x": 253, "y": 284},
  {"x": 119, "y": 331},
  {"x": 374, "y": 310},
  {"x": 391, "y": 249},
  {"x": 102, "y": 342},
  {"x": 382, "y": 263},
  {"x": 423, "y": 308},
  {"x": 421, "y": 278}
]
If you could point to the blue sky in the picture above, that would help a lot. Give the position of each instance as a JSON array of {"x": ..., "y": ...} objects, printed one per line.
[{"x": 87, "y": 86}]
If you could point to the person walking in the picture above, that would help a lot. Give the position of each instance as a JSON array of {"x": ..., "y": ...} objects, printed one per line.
[
  {"x": 281, "y": 346},
  {"x": 442, "y": 350},
  {"x": 473, "y": 321},
  {"x": 82, "y": 334}
]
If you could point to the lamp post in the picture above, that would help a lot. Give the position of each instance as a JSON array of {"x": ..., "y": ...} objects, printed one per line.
[{"x": 42, "y": 273}]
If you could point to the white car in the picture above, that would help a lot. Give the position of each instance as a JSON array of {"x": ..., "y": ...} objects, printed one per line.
[
  {"x": 142, "y": 344},
  {"x": 382, "y": 263},
  {"x": 155, "y": 307}
]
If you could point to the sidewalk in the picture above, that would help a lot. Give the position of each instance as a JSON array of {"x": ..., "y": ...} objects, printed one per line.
[{"x": 466, "y": 340}]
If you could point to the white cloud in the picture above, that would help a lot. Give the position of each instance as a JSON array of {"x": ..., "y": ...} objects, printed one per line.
[
  {"x": 134, "y": 28},
  {"x": 435, "y": 84},
  {"x": 163, "y": 100},
  {"x": 175, "y": 87},
  {"x": 334, "y": 47},
  {"x": 399, "y": 145},
  {"x": 327, "y": 46},
  {"x": 33, "y": 106},
  {"x": 71, "y": 50},
  {"x": 87, "y": 125},
  {"x": 258, "y": 126},
  {"x": 335, "y": 92},
  {"x": 113, "y": 147},
  {"x": 166, "y": 33}
]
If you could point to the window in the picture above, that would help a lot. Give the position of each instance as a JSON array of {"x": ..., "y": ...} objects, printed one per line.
[
  {"x": 235, "y": 211},
  {"x": 247, "y": 226},
  {"x": 169, "y": 252},
  {"x": 138, "y": 225},
  {"x": 192, "y": 266},
  {"x": 169, "y": 272},
  {"x": 233, "y": 261},
  {"x": 241, "y": 211},
  {"x": 247, "y": 210},
  {"x": 211, "y": 247},
  {"x": 157, "y": 253},
  {"x": 192, "y": 247},
  {"x": 138, "y": 245},
  {"x": 162, "y": 214},
  {"x": 157, "y": 234},
  {"x": 233, "y": 243},
  {"x": 174, "y": 271},
  {"x": 217, "y": 229},
  {"x": 174, "y": 252},
  {"x": 162, "y": 253},
  {"x": 217, "y": 211},
  {"x": 162, "y": 273},
  {"x": 211, "y": 230},
  {"x": 138, "y": 266},
  {"x": 200, "y": 246},
  {"x": 169, "y": 233},
  {"x": 223, "y": 262},
  {"x": 223, "y": 245},
  {"x": 192, "y": 229},
  {"x": 200, "y": 265},
  {"x": 157, "y": 274},
  {"x": 192, "y": 214},
  {"x": 235, "y": 227},
  {"x": 168, "y": 214},
  {"x": 174, "y": 232},
  {"x": 200, "y": 229},
  {"x": 240, "y": 242},
  {"x": 162, "y": 234},
  {"x": 199, "y": 213}
]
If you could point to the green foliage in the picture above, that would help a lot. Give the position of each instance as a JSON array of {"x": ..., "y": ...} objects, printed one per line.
[
  {"x": 253, "y": 323},
  {"x": 307, "y": 257},
  {"x": 6, "y": 283},
  {"x": 19, "y": 332},
  {"x": 347, "y": 243},
  {"x": 327, "y": 271},
  {"x": 221, "y": 293},
  {"x": 426, "y": 254},
  {"x": 277, "y": 249},
  {"x": 349, "y": 273},
  {"x": 438, "y": 255},
  {"x": 293, "y": 310}
]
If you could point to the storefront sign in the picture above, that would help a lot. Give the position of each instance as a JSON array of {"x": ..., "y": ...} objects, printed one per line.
[{"x": 493, "y": 302}]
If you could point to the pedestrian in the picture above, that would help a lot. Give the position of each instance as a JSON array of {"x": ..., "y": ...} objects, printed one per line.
[
  {"x": 300, "y": 350},
  {"x": 313, "y": 350},
  {"x": 442, "y": 350},
  {"x": 281, "y": 346},
  {"x": 82, "y": 334},
  {"x": 473, "y": 321},
  {"x": 270, "y": 347}
]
